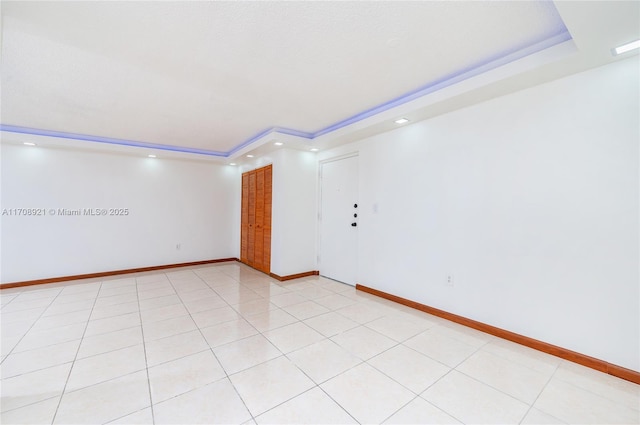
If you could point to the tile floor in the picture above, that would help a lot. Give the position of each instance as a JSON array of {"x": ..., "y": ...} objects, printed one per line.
[{"x": 226, "y": 344}]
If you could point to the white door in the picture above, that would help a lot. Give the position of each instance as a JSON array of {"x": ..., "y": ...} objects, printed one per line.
[{"x": 338, "y": 219}]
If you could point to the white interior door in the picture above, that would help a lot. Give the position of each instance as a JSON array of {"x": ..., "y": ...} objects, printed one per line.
[{"x": 338, "y": 220}]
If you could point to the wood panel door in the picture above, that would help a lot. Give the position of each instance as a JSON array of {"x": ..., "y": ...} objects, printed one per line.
[{"x": 255, "y": 232}]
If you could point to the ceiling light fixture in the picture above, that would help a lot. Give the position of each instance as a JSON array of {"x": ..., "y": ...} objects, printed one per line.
[
  {"x": 278, "y": 143},
  {"x": 401, "y": 121},
  {"x": 152, "y": 156},
  {"x": 29, "y": 144},
  {"x": 249, "y": 156},
  {"x": 314, "y": 149},
  {"x": 232, "y": 163},
  {"x": 626, "y": 48}
]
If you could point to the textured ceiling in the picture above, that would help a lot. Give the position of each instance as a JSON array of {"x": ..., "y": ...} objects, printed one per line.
[{"x": 213, "y": 75}]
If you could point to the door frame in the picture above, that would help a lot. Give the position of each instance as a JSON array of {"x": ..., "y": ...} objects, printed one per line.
[{"x": 321, "y": 163}]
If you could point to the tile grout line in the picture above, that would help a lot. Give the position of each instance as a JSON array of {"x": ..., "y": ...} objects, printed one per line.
[
  {"x": 146, "y": 360},
  {"x": 31, "y": 327},
  {"x": 211, "y": 348},
  {"x": 478, "y": 349},
  {"x": 286, "y": 357},
  {"x": 319, "y": 385},
  {"x": 492, "y": 387},
  {"x": 37, "y": 370},
  {"x": 405, "y": 405},
  {"x": 517, "y": 362},
  {"x": 30, "y": 404},
  {"x": 253, "y": 418},
  {"x": 87, "y": 322},
  {"x": 329, "y": 338},
  {"x": 2, "y": 306},
  {"x": 539, "y": 394},
  {"x": 336, "y": 402},
  {"x": 64, "y": 389},
  {"x": 429, "y": 357},
  {"x": 451, "y": 369},
  {"x": 587, "y": 389},
  {"x": 69, "y": 324},
  {"x": 366, "y": 361},
  {"x": 435, "y": 382},
  {"x": 283, "y": 354}
]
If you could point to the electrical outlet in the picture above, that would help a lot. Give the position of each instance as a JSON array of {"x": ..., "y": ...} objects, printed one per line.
[
  {"x": 178, "y": 246},
  {"x": 449, "y": 281}
]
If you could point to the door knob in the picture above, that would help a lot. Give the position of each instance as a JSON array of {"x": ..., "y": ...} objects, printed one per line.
[{"x": 354, "y": 224}]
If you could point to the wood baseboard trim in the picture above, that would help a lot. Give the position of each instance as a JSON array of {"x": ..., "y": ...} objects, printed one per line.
[
  {"x": 110, "y": 273},
  {"x": 282, "y": 278},
  {"x": 591, "y": 362},
  {"x": 294, "y": 276},
  {"x": 623, "y": 373}
]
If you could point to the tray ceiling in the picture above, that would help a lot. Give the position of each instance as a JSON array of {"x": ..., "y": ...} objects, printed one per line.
[{"x": 211, "y": 77}]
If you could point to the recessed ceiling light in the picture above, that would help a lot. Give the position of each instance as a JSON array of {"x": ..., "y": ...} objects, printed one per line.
[
  {"x": 401, "y": 121},
  {"x": 278, "y": 143},
  {"x": 314, "y": 149},
  {"x": 29, "y": 144},
  {"x": 232, "y": 163},
  {"x": 626, "y": 47},
  {"x": 152, "y": 156},
  {"x": 249, "y": 156}
]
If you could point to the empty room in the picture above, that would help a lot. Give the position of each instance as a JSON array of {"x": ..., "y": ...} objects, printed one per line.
[{"x": 320, "y": 212}]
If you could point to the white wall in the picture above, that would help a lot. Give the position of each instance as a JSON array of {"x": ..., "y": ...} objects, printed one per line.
[
  {"x": 171, "y": 202},
  {"x": 294, "y": 209},
  {"x": 294, "y": 231},
  {"x": 529, "y": 200}
]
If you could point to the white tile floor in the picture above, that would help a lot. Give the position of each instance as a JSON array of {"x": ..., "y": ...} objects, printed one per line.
[{"x": 226, "y": 344}]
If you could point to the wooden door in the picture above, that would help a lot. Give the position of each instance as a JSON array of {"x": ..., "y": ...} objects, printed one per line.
[
  {"x": 266, "y": 223},
  {"x": 258, "y": 244},
  {"x": 255, "y": 232},
  {"x": 244, "y": 228},
  {"x": 251, "y": 237}
]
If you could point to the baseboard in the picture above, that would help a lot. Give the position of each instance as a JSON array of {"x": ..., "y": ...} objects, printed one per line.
[
  {"x": 591, "y": 362},
  {"x": 110, "y": 273},
  {"x": 623, "y": 373},
  {"x": 282, "y": 278},
  {"x": 294, "y": 276}
]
